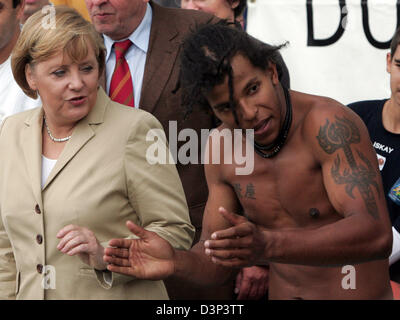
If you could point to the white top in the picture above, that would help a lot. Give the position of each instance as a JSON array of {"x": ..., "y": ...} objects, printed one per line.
[
  {"x": 135, "y": 56},
  {"x": 12, "y": 98},
  {"x": 47, "y": 166}
]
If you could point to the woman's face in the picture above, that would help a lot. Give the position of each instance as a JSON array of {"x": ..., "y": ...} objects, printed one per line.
[
  {"x": 221, "y": 8},
  {"x": 68, "y": 90}
]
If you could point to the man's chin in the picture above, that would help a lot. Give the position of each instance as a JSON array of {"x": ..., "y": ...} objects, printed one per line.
[
  {"x": 261, "y": 143},
  {"x": 104, "y": 28}
]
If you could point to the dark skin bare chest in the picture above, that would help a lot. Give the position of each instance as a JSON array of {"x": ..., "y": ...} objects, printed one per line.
[{"x": 285, "y": 191}]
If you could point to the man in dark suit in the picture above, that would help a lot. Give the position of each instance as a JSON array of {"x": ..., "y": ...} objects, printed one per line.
[{"x": 156, "y": 34}]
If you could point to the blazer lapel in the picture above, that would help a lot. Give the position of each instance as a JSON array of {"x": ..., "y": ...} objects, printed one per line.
[
  {"x": 161, "y": 56},
  {"x": 32, "y": 149},
  {"x": 82, "y": 133}
]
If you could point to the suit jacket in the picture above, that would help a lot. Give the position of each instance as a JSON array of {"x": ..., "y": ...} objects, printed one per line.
[{"x": 101, "y": 179}]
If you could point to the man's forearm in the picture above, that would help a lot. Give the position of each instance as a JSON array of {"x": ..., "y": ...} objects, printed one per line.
[
  {"x": 350, "y": 240},
  {"x": 195, "y": 267}
]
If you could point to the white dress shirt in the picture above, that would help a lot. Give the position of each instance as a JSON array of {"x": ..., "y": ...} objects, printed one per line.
[
  {"x": 135, "y": 56},
  {"x": 12, "y": 98}
]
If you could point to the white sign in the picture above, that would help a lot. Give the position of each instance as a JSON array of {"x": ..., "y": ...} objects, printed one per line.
[{"x": 335, "y": 46}]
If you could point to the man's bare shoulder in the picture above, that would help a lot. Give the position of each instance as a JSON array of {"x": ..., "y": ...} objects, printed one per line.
[
  {"x": 319, "y": 110},
  {"x": 322, "y": 112}
]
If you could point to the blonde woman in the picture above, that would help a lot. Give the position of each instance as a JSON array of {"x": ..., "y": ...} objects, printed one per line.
[{"x": 74, "y": 171}]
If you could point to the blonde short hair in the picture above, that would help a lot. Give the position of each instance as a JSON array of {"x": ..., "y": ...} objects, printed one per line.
[{"x": 70, "y": 33}]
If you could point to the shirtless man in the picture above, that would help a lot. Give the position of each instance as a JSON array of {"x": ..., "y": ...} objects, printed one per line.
[{"x": 313, "y": 204}]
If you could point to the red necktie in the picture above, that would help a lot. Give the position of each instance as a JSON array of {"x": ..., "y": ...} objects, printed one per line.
[{"x": 121, "y": 87}]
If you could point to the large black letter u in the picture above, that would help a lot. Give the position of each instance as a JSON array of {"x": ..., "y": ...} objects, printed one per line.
[{"x": 367, "y": 30}]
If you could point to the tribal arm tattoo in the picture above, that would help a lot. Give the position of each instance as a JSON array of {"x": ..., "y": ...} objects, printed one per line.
[{"x": 340, "y": 135}]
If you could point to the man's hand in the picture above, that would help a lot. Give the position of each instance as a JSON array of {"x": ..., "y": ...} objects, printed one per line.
[
  {"x": 239, "y": 246},
  {"x": 252, "y": 283},
  {"x": 149, "y": 257}
]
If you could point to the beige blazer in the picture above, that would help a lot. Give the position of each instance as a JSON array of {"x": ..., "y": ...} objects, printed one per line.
[{"x": 101, "y": 180}]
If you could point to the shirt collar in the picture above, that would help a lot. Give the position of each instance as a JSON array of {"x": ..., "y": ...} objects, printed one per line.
[{"x": 140, "y": 37}]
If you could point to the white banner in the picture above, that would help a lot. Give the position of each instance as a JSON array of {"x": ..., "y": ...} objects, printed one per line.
[{"x": 337, "y": 48}]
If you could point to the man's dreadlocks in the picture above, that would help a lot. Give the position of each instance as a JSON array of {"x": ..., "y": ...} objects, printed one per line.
[{"x": 206, "y": 60}]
